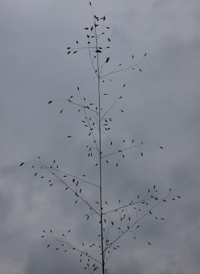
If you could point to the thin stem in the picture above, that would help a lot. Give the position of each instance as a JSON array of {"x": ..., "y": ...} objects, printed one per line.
[
  {"x": 100, "y": 152},
  {"x": 127, "y": 205},
  {"x": 74, "y": 248},
  {"x": 137, "y": 221},
  {"x": 121, "y": 150},
  {"x": 73, "y": 176},
  {"x": 63, "y": 182}
]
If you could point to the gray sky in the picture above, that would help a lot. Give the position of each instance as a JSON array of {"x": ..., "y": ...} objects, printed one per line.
[{"x": 161, "y": 106}]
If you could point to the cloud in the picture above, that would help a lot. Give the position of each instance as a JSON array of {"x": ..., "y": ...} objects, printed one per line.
[{"x": 160, "y": 109}]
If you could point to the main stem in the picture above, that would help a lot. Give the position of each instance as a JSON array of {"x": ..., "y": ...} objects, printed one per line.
[
  {"x": 100, "y": 181},
  {"x": 100, "y": 158}
]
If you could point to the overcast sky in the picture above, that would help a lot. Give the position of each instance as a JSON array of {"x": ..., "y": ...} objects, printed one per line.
[{"x": 161, "y": 107}]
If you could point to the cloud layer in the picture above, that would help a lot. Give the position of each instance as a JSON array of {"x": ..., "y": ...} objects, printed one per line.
[{"x": 161, "y": 108}]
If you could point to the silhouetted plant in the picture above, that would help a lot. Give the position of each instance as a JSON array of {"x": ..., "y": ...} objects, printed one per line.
[{"x": 118, "y": 219}]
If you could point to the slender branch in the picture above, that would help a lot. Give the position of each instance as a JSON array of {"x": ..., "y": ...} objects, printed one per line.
[
  {"x": 121, "y": 150},
  {"x": 74, "y": 248},
  {"x": 61, "y": 180},
  {"x": 76, "y": 177},
  {"x": 128, "y": 229},
  {"x": 127, "y": 205}
]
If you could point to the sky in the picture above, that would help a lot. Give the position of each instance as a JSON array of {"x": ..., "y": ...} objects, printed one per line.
[{"x": 161, "y": 108}]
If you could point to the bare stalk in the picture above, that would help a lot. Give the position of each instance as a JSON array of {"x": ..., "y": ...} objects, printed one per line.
[{"x": 100, "y": 153}]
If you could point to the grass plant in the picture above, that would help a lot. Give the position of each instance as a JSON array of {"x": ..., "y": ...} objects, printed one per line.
[{"x": 115, "y": 220}]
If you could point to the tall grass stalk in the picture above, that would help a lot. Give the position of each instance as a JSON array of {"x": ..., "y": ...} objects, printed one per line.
[{"x": 121, "y": 218}]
